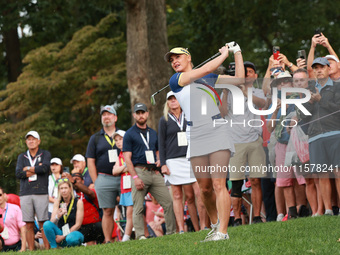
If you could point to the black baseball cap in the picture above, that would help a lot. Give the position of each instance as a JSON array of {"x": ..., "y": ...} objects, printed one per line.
[
  {"x": 140, "y": 107},
  {"x": 249, "y": 64}
]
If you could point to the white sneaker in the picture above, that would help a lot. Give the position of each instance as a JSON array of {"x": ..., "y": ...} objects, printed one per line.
[
  {"x": 214, "y": 228},
  {"x": 142, "y": 238},
  {"x": 216, "y": 237},
  {"x": 329, "y": 212},
  {"x": 280, "y": 217},
  {"x": 126, "y": 238}
]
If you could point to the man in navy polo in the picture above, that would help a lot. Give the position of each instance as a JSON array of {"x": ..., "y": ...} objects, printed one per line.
[
  {"x": 140, "y": 148},
  {"x": 101, "y": 155},
  {"x": 324, "y": 131},
  {"x": 32, "y": 170}
]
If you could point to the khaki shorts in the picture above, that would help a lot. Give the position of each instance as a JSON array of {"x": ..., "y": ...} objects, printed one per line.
[
  {"x": 251, "y": 153},
  {"x": 34, "y": 204}
]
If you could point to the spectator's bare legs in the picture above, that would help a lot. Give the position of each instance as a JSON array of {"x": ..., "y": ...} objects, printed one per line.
[
  {"x": 190, "y": 198},
  {"x": 177, "y": 195},
  {"x": 300, "y": 194},
  {"x": 30, "y": 235},
  {"x": 337, "y": 184},
  {"x": 46, "y": 243},
  {"x": 312, "y": 195},
  {"x": 202, "y": 212},
  {"x": 280, "y": 200},
  {"x": 326, "y": 191},
  {"x": 321, "y": 206},
  {"x": 237, "y": 203},
  {"x": 129, "y": 222},
  {"x": 107, "y": 223},
  {"x": 256, "y": 195},
  {"x": 289, "y": 196}
]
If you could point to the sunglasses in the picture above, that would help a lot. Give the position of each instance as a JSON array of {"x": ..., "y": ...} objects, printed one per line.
[{"x": 63, "y": 180}]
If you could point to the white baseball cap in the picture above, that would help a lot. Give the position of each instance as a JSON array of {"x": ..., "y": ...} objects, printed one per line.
[
  {"x": 33, "y": 133},
  {"x": 56, "y": 161},
  {"x": 169, "y": 94},
  {"x": 77, "y": 157},
  {"x": 328, "y": 57},
  {"x": 119, "y": 132}
]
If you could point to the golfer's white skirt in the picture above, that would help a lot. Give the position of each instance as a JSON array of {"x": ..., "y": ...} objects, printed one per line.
[
  {"x": 205, "y": 139},
  {"x": 180, "y": 171}
]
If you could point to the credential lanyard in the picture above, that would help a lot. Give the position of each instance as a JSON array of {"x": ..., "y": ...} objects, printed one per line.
[
  {"x": 5, "y": 213},
  {"x": 179, "y": 121},
  {"x": 55, "y": 183},
  {"x": 146, "y": 142},
  {"x": 32, "y": 162},
  {"x": 69, "y": 211},
  {"x": 109, "y": 141}
]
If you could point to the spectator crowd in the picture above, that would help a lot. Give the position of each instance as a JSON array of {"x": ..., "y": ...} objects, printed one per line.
[{"x": 140, "y": 183}]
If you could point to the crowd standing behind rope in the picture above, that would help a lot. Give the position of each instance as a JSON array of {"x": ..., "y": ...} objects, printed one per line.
[{"x": 290, "y": 162}]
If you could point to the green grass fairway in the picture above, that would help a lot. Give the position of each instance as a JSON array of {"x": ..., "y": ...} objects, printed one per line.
[{"x": 316, "y": 235}]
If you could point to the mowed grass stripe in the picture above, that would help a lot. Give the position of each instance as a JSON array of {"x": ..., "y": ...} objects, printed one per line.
[{"x": 317, "y": 235}]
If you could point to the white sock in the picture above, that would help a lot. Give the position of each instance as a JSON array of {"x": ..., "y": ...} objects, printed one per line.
[{"x": 126, "y": 238}]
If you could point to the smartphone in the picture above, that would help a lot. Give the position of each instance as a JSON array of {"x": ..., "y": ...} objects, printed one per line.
[
  {"x": 311, "y": 86},
  {"x": 317, "y": 32},
  {"x": 302, "y": 54},
  {"x": 276, "y": 52}
]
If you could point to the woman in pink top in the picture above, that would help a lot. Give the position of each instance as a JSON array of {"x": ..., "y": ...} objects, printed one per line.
[{"x": 13, "y": 226}]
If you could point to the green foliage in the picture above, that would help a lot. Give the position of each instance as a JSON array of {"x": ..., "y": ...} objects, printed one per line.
[
  {"x": 205, "y": 26},
  {"x": 60, "y": 92},
  {"x": 317, "y": 235},
  {"x": 51, "y": 21}
]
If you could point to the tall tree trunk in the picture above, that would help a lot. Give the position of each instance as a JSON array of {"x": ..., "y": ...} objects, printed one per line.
[
  {"x": 147, "y": 43},
  {"x": 13, "y": 57}
]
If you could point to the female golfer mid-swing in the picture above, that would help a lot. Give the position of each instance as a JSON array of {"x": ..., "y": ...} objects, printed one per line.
[{"x": 210, "y": 147}]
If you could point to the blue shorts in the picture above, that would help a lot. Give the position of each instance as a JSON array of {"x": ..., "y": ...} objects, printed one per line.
[
  {"x": 126, "y": 199},
  {"x": 324, "y": 153}
]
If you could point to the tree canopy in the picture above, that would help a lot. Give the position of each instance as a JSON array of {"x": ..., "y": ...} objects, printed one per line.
[
  {"x": 74, "y": 59},
  {"x": 60, "y": 91}
]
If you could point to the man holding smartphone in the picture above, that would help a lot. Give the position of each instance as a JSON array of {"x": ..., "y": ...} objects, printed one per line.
[{"x": 324, "y": 131}]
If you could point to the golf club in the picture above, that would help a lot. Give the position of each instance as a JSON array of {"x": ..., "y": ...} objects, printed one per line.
[{"x": 153, "y": 100}]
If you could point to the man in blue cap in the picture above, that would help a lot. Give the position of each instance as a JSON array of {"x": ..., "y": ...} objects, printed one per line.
[{"x": 324, "y": 130}]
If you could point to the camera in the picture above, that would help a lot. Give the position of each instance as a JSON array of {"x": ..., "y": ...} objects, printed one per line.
[{"x": 231, "y": 69}]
